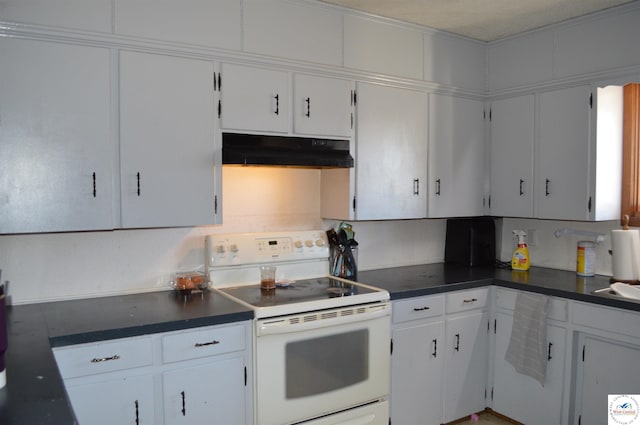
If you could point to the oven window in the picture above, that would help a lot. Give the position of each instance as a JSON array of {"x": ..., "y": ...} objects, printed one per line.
[{"x": 319, "y": 365}]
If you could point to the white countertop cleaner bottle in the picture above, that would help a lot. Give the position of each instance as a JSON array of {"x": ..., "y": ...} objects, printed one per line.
[{"x": 520, "y": 258}]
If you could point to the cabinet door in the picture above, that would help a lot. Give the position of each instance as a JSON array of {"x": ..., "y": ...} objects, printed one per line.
[
  {"x": 564, "y": 154},
  {"x": 56, "y": 149},
  {"x": 208, "y": 393},
  {"x": 168, "y": 156},
  {"x": 391, "y": 158},
  {"x": 322, "y": 106},
  {"x": 416, "y": 374},
  {"x": 120, "y": 401},
  {"x": 456, "y": 156},
  {"x": 254, "y": 99},
  {"x": 510, "y": 388},
  {"x": 466, "y": 352},
  {"x": 604, "y": 367},
  {"x": 512, "y": 144}
]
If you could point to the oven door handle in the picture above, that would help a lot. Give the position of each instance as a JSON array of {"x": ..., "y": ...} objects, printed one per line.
[{"x": 285, "y": 325}]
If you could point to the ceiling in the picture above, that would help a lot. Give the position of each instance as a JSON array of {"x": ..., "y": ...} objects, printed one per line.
[{"x": 485, "y": 20}]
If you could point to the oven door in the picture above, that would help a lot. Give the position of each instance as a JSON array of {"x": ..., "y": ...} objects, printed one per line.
[{"x": 314, "y": 364}]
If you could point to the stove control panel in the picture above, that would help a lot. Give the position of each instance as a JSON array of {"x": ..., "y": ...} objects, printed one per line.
[{"x": 237, "y": 249}]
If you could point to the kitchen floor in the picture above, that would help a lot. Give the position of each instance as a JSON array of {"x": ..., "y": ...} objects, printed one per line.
[{"x": 486, "y": 419}]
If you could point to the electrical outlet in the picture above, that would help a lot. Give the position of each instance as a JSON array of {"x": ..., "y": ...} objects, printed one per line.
[{"x": 532, "y": 237}]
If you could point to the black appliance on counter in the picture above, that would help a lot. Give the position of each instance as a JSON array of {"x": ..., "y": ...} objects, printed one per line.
[{"x": 470, "y": 241}]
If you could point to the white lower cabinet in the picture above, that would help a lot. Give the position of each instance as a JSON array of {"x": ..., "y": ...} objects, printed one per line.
[
  {"x": 183, "y": 377},
  {"x": 206, "y": 393},
  {"x": 606, "y": 361},
  {"x": 439, "y": 360},
  {"x": 466, "y": 353},
  {"x": 124, "y": 400},
  {"x": 417, "y": 361},
  {"x": 520, "y": 396}
]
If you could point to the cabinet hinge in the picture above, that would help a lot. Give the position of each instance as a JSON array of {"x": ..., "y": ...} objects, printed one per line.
[
  {"x": 488, "y": 326},
  {"x": 495, "y": 326},
  {"x": 219, "y": 81},
  {"x": 215, "y": 82},
  {"x": 392, "y": 346},
  {"x": 491, "y": 393},
  {"x": 579, "y": 419},
  {"x": 583, "y": 349},
  {"x": 215, "y": 204},
  {"x": 354, "y": 204},
  {"x": 591, "y": 100},
  {"x": 589, "y": 204},
  {"x": 352, "y": 121},
  {"x": 355, "y": 98},
  {"x": 490, "y": 115},
  {"x": 245, "y": 376},
  {"x": 219, "y": 109}
]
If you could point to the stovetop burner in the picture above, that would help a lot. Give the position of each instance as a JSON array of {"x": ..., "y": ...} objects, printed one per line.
[{"x": 297, "y": 292}]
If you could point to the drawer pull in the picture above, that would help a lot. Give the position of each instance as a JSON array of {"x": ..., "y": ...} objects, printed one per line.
[
  {"x": 435, "y": 348},
  {"x": 204, "y": 344},
  {"x": 472, "y": 300},
  {"x": 421, "y": 308},
  {"x": 457, "y": 346},
  {"x": 105, "y": 359}
]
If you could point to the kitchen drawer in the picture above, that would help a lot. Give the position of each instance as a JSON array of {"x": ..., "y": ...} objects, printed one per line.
[
  {"x": 466, "y": 300},
  {"x": 417, "y": 308},
  {"x": 506, "y": 298},
  {"x": 101, "y": 357},
  {"x": 205, "y": 342},
  {"x": 607, "y": 319}
]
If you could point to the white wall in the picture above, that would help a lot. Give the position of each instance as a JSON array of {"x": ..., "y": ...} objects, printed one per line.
[{"x": 557, "y": 253}]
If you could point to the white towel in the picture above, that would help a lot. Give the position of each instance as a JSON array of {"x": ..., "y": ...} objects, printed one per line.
[{"x": 527, "y": 350}]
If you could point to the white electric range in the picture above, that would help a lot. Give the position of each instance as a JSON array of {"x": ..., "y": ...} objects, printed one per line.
[{"x": 322, "y": 343}]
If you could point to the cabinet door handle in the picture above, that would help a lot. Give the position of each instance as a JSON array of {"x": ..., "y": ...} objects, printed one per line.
[
  {"x": 138, "y": 178},
  {"x": 137, "y": 413},
  {"x": 547, "y": 192},
  {"x": 105, "y": 359},
  {"x": 521, "y": 187},
  {"x": 457, "y": 347},
  {"x": 549, "y": 352},
  {"x": 421, "y": 308},
  {"x": 184, "y": 404},
  {"x": 308, "y": 100},
  {"x": 94, "y": 184},
  {"x": 204, "y": 344},
  {"x": 438, "y": 187},
  {"x": 471, "y": 300},
  {"x": 435, "y": 348},
  {"x": 416, "y": 186},
  {"x": 277, "y": 97}
]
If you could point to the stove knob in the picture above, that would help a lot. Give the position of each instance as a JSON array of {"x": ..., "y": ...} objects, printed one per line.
[
  {"x": 233, "y": 248},
  {"x": 320, "y": 242},
  {"x": 309, "y": 244},
  {"x": 298, "y": 244},
  {"x": 220, "y": 249}
]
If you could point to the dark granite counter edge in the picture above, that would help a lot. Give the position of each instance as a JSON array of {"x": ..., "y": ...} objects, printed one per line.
[
  {"x": 175, "y": 325},
  {"x": 449, "y": 287}
]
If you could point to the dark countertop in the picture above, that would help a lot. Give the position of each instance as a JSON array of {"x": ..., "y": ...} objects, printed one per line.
[{"x": 35, "y": 393}]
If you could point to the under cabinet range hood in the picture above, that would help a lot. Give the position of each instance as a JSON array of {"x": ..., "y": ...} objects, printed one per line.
[{"x": 257, "y": 149}]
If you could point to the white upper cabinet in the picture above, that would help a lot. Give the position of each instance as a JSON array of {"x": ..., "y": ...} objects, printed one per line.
[
  {"x": 322, "y": 106},
  {"x": 512, "y": 148},
  {"x": 207, "y": 23},
  {"x": 56, "y": 145},
  {"x": 456, "y": 156},
  {"x": 167, "y": 147},
  {"x": 573, "y": 133},
  {"x": 255, "y": 99},
  {"x": 293, "y": 30},
  {"x": 454, "y": 61},
  {"x": 382, "y": 47},
  {"x": 92, "y": 15},
  {"x": 391, "y": 160}
]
